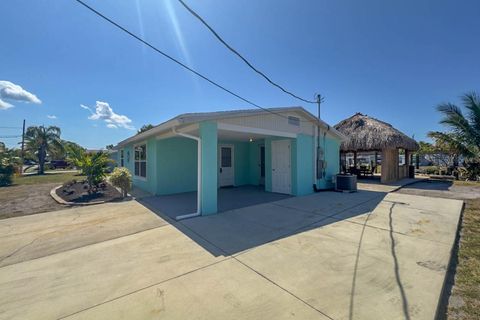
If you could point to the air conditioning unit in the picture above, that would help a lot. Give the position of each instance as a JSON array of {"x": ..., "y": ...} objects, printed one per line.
[{"x": 346, "y": 182}]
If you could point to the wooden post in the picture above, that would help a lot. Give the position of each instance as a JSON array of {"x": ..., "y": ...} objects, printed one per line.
[
  {"x": 389, "y": 165},
  {"x": 376, "y": 161}
]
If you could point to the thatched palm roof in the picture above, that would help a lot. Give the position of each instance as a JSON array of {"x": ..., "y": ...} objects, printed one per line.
[{"x": 365, "y": 133}]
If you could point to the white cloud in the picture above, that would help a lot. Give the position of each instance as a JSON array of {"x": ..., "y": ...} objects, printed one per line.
[
  {"x": 13, "y": 92},
  {"x": 52, "y": 116},
  {"x": 104, "y": 112},
  {"x": 5, "y": 105}
]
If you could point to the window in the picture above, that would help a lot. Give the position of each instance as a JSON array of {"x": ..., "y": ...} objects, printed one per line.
[
  {"x": 121, "y": 158},
  {"x": 141, "y": 160},
  {"x": 294, "y": 121},
  {"x": 226, "y": 161}
]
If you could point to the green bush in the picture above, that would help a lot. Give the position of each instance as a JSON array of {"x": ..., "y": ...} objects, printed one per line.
[
  {"x": 6, "y": 174},
  {"x": 121, "y": 178}
]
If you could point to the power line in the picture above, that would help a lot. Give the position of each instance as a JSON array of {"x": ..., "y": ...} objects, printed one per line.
[
  {"x": 11, "y": 136},
  {"x": 240, "y": 56},
  {"x": 10, "y": 127},
  {"x": 151, "y": 46}
]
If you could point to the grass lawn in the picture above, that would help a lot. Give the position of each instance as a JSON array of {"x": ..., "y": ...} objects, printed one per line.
[
  {"x": 59, "y": 177},
  {"x": 465, "y": 299}
]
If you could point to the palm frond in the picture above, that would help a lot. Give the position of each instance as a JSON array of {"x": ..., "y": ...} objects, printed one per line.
[{"x": 471, "y": 101}]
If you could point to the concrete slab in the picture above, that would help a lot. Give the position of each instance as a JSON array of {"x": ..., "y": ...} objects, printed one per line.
[
  {"x": 375, "y": 185},
  {"x": 350, "y": 276},
  {"x": 416, "y": 216},
  {"x": 227, "y": 290},
  {"x": 330, "y": 203},
  {"x": 30, "y": 237},
  {"x": 228, "y": 199},
  {"x": 61, "y": 284},
  {"x": 305, "y": 257},
  {"x": 242, "y": 229}
]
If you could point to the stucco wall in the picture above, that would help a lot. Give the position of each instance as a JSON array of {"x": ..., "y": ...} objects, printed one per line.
[{"x": 176, "y": 165}]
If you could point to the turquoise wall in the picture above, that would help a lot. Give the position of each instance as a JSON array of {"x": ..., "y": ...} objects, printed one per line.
[
  {"x": 176, "y": 165},
  {"x": 332, "y": 157}
]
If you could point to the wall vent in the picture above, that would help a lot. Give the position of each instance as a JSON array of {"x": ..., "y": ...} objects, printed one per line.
[{"x": 294, "y": 121}]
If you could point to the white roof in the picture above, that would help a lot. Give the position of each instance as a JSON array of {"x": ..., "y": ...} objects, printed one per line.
[{"x": 188, "y": 118}]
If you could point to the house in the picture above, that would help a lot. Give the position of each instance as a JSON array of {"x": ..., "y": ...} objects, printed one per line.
[{"x": 272, "y": 148}]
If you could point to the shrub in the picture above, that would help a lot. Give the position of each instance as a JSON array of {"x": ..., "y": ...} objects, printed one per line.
[
  {"x": 6, "y": 174},
  {"x": 121, "y": 178}
]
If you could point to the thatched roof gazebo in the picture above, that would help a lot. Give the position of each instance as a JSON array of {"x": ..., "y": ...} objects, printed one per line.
[{"x": 367, "y": 134}]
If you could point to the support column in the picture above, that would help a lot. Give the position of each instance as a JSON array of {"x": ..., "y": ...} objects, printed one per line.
[
  {"x": 389, "y": 165},
  {"x": 208, "y": 134}
]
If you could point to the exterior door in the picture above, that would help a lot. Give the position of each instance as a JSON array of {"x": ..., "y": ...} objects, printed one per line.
[
  {"x": 226, "y": 174},
  {"x": 281, "y": 170}
]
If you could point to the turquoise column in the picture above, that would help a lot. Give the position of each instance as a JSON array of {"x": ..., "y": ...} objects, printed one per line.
[
  {"x": 208, "y": 134},
  {"x": 303, "y": 165}
]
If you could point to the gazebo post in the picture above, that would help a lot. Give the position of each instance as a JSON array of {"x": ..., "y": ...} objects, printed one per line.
[
  {"x": 355, "y": 159},
  {"x": 376, "y": 161},
  {"x": 389, "y": 165}
]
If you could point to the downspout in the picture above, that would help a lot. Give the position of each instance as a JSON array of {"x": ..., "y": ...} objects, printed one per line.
[{"x": 199, "y": 175}]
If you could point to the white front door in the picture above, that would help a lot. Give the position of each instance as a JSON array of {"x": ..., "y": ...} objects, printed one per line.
[
  {"x": 281, "y": 171},
  {"x": 226, "y": 176}
]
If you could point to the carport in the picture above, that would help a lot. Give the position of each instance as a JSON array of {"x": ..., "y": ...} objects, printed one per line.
[{"x": 237, "y": 167}]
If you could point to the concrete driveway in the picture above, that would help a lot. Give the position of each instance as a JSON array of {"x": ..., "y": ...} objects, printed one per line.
[{"x": 366, "y": 255}]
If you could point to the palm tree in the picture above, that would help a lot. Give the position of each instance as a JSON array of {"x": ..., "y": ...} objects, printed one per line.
[
  {"x": 40, "y": 140},
  {"x": 465, "y": 133}
]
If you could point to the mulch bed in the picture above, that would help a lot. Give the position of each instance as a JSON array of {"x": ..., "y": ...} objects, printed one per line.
[{"x": 77, "y": 191}]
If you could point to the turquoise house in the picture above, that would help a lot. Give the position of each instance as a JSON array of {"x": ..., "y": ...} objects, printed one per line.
[{"x": 284, "y": 150}]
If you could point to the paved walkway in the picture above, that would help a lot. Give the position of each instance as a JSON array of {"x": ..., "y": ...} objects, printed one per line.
[{"x": 366, "y": 255}]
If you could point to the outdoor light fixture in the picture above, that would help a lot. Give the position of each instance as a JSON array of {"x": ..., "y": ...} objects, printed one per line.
[{"x": 251, "y": 140}]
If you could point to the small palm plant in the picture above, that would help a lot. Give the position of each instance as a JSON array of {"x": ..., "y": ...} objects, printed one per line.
[{"x": 93, "y": 165}]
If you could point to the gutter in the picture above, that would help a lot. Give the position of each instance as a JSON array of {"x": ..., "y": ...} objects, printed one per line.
[{"x": 199, "y": 175}]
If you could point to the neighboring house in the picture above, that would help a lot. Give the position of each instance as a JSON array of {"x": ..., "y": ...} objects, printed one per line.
[{"x": 274, "y": 148}]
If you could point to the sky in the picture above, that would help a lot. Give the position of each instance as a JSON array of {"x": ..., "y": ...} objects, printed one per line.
[{"x": 394, "y": 60}]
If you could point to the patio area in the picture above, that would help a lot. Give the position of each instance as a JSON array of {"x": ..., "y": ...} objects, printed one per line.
[{"x": 228, "y": 199}]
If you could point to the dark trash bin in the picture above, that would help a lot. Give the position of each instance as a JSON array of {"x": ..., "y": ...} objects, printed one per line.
[{"x": 411, "y": 172}]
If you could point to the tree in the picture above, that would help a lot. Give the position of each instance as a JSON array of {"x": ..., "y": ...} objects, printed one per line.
[
  {"x": 465, "y": 129},
  {"x": 40, "y": 140},
  {"x": 109, "y": 147},
  {"x": 463, "y": 138},
  {"x": 8, "y": 161},
  {"x": 145, "y": 127}
]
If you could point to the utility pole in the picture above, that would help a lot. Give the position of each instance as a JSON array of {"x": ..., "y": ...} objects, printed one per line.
[
  {"x": 23, "y": 147},
  {"x": 319, "y": 159}
]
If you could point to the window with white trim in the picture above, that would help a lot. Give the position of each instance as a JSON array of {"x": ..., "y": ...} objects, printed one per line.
[
  {"x": 122, "y": 163},
  {"x": 141, "y": 161}
]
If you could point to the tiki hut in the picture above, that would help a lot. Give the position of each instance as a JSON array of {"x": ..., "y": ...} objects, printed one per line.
[{"x": 367, "y": 134}]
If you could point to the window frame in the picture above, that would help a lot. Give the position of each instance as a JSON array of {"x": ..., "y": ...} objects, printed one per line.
[{"x": 139, "y": 177}]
